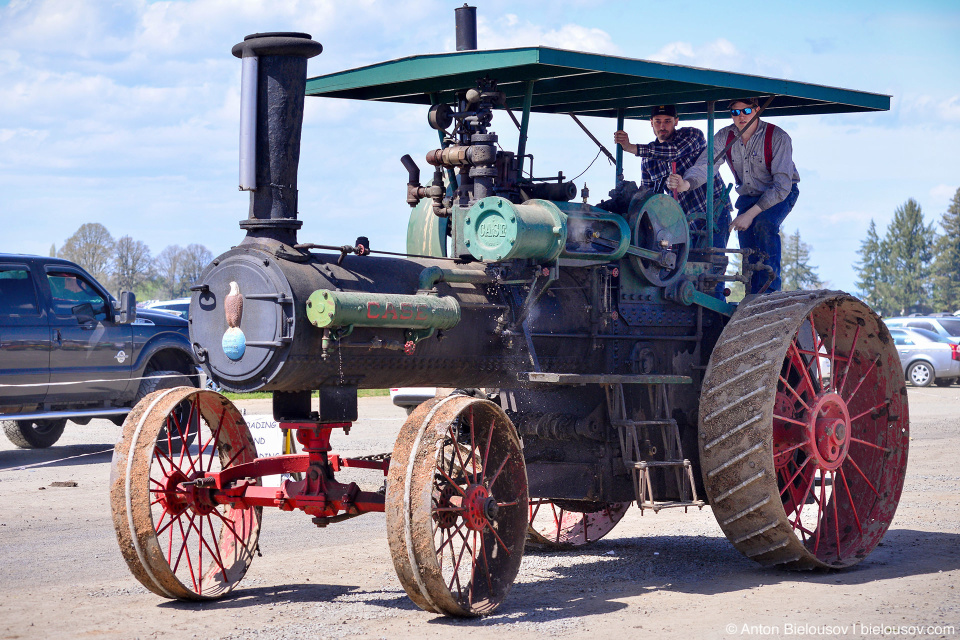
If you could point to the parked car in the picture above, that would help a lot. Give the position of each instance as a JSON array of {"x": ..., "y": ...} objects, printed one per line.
[
  {"x": 70, "y": 350},
  {"x": 180, "y": 306},
  {"x": 927, "y": 357},
  {"x": 409, "y": 398},
  {"x": 942, "y": 324}
]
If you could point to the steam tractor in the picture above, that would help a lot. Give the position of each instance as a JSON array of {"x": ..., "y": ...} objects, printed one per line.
[{"x": 597, "y": 365}]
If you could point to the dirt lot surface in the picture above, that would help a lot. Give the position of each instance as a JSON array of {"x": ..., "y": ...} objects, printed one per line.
[{"x": 665, "y": 575}]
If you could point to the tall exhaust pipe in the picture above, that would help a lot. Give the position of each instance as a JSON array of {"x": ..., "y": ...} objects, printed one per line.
[
  {"x": 273, "y": 82},
  {"x": 466, "y": 18}
]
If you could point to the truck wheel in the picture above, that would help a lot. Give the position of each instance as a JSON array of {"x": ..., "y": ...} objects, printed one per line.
[
  {"x": 34, "y": 434},
  {"x": 804, "y": 472},
  {"x": 920, "y": 374},
  {"x": 185, "y": 421}
]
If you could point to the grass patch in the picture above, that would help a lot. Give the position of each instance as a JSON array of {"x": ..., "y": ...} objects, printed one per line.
[{"x": 260, "y": 395}]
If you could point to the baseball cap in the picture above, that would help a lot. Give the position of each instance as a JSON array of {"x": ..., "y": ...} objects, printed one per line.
[
  {"x": 753, "y": 102},
  {"x": 664, "y": 110}
]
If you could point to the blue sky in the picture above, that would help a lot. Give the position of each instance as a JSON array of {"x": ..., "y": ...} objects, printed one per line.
[{"x": 126, "y": 113}]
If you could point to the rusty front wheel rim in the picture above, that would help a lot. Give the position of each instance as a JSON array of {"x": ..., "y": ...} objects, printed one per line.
[
  {"x": 175, "y": 538},
  {"x": 457, "y": 531}
]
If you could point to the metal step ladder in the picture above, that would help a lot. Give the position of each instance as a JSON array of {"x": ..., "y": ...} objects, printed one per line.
[{"x": 640, "y": 456}]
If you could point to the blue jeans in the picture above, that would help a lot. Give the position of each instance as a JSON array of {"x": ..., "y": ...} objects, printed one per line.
[{"x": 764, "y": 235}]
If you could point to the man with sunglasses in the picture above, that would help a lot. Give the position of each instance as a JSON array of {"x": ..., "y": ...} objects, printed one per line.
[
  {"x": 762, "y": 164},
  {"x": 681, "y": 146}
]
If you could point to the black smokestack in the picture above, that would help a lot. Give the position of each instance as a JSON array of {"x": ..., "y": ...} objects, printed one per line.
[
  {"x": 466, "y": 28},
  {"x": 275, "y": 77}
]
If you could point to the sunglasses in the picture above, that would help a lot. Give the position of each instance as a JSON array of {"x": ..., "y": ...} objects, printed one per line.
[{"x": 747, "y": 111}]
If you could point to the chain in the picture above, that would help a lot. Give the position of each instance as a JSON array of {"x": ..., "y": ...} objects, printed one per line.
[{"x": 340, "y": 358}]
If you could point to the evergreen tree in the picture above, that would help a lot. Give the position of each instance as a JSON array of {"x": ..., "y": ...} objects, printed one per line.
[
  {"x": 796, "y": 272},
  {"x": 909, "y": 244},
  {"x": 871, "y": 270},
  {"x": 737, "y": 289},
  {"x": 53, "y": 250},
  {"x": 946, "y": 264}
]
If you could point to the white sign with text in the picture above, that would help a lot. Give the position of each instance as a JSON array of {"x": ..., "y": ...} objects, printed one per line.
[{"x": 268, "y": 436}]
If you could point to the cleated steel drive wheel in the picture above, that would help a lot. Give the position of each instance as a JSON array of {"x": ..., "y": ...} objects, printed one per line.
[
  {"x": 567, "y": 525},
  {"x": 804, "y": 429},
  {"x": 456, "y": 505},
  {"x": 177, "y": 541}
]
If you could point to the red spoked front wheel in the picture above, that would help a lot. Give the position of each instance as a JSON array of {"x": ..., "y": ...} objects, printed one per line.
[
  {"x": 804, "y": 429},
  {"x": 176, "y": 539},
  {"x": 457, "y": 505}
]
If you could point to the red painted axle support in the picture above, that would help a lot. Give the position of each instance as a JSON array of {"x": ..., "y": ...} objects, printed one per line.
[{"x": 318, "y": 494}]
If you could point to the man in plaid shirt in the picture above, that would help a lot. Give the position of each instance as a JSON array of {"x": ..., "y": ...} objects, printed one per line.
[{"x": 683, "y": 146}]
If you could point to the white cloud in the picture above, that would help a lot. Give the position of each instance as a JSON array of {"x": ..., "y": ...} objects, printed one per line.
[
  {"x": 943, "y": 192},
  {"x": 509, "y": 31},
  {"x": 928, "y": 107},
  {"x": 720, "y": 54}
]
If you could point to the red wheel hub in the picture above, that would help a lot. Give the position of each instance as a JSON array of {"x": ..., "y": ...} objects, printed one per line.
[
  {"x": 828, "y": 428},
  {"x": 478, "y": 507},
  {"x": 172, "y": 498}
]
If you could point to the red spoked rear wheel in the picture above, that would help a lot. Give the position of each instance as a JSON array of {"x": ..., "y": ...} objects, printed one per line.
[
  {"x": 804, "y": 429},
  {"x": 568, "y": 524},
  {"x": 177, "y": 540}
]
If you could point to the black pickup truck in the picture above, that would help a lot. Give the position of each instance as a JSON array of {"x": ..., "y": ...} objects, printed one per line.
[{"x": 69, "y": 350}]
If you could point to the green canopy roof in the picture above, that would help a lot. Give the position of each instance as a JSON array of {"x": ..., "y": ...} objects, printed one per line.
[{"x": 583, "y": 84}]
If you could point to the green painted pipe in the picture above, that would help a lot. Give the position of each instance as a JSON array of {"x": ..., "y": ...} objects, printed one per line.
[
  {"x": 345, "y": 308},
  {"x": 430, "y": 276}
]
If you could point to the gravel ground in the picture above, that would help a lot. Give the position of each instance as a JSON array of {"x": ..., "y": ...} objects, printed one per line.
[{"x": 669, "y": 575}]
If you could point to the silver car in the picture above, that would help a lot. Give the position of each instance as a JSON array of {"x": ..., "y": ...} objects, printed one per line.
[
  {"x": 927, "y": 357},
  {"x": 941, "y": 324}
]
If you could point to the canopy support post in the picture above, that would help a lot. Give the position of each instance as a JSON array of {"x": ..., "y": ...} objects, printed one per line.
[
  {"x": 711, "y": 167},
  {"x": 524, "y": 124},
  {"x": 621, "y": 116}
]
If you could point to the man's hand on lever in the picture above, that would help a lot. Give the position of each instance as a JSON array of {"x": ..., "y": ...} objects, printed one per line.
[{"x": 675, "y": 181}]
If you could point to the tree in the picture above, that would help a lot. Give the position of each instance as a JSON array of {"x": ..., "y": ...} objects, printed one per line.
[
  {"x": 180, "y": 267},
  {"x": 132, "y": 264},
  {"x": 195, "y": 258},
  {"x": 796, "y": 272},
  {"x": 909, "y": 244},
  {"x": 946, "y": 265},
  {"x": 92, "y": 248},
  {"x": 872, "y": 271},
  {"x": 167, "y": 265},
  {"x": 53, "y": 250},
  {"x": 737, "y": 289}
]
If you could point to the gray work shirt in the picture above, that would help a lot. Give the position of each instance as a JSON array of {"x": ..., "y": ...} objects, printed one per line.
[{"x": 749, "y": 164}]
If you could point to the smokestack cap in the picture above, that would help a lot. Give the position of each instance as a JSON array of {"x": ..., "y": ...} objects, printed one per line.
[
  {"x": 277, "y": 44},
  {"x": 466, "y": 21}
]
